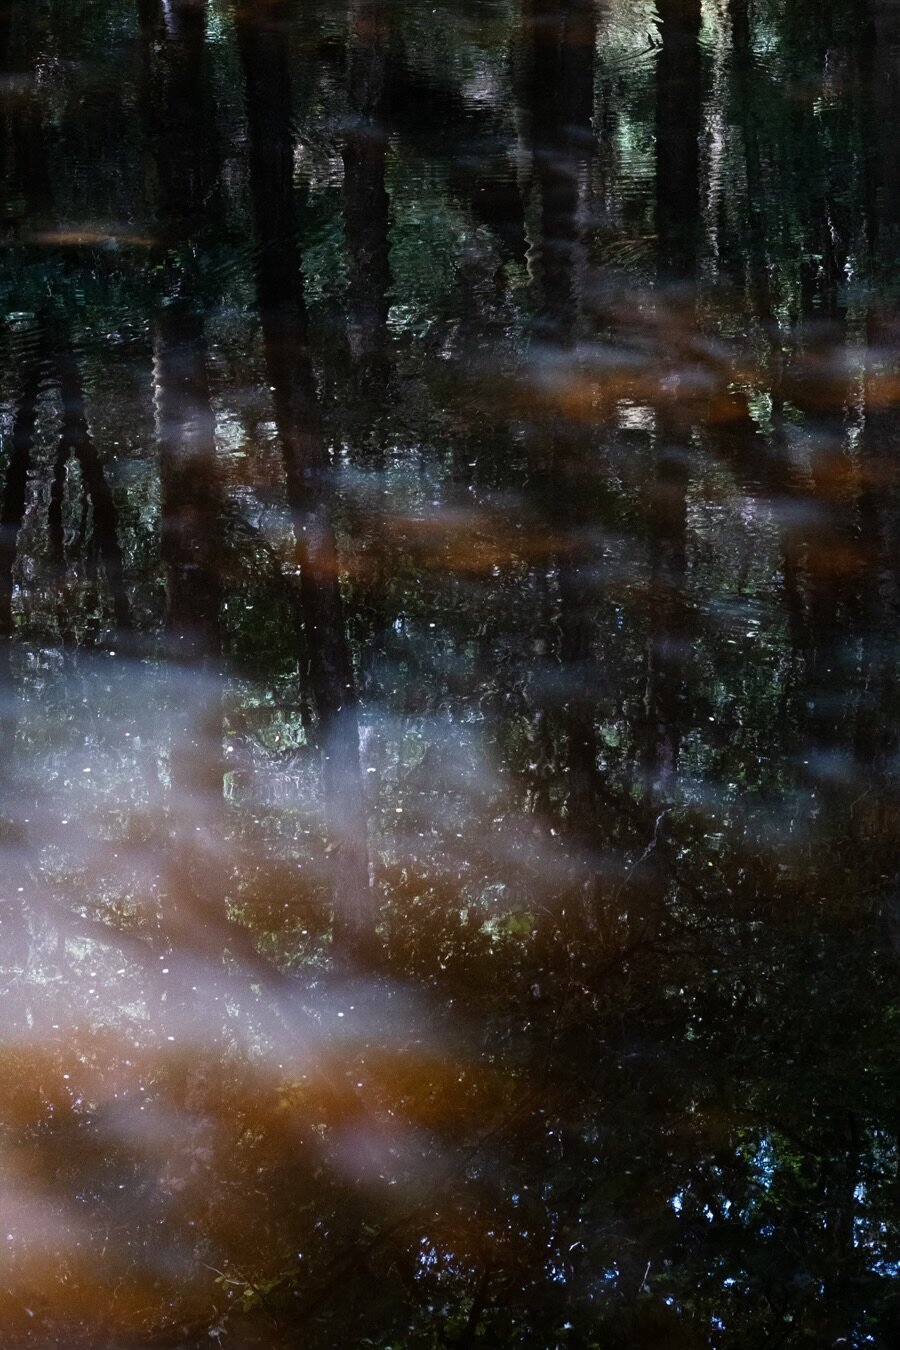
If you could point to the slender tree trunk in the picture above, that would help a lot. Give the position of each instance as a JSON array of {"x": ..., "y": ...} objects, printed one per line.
[
  {"x": 16, "y": 486},
  {"x": 26, "y": 176},
  {"x": 560, "y": 97},
  {"x": 178, "y": 111},
  {"x": 282, "y": 307},
  {"x": 366, "y": 224},
  {"x": 745, "y": 90},
  {"x": 192, "y": 497},
  {"x": 678, "y": 121},
  {"x": 885, "y": 38},
  {"x": 181, "y": 142},
  {"x": 667, "y": 652},
  {"x": 814, "y": 384},
  {"x": 32, "y": 176},
  {"x": 768, "y": 466},
  {"x": 434, "y": 121},
  {"x": 76, "y": 439},
  {"x": 182, "y": 157},
  {"x": 26, "y": 160},
  {"x": 878, "y": 611}
]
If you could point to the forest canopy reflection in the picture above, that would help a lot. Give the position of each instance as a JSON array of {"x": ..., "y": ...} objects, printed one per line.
[{"x": 449, "y": 537}]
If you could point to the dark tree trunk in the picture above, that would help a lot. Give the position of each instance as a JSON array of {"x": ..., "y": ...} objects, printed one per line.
[
  {"x": 182, "y": 158},
  {"x": 366, "y": 204},
  {"x": 885, "y": 59},
  {"x": 182, "y": 155},
  {"x": 76, "y": 439},
  {"x": 24, "y": 160},
  {"x": 192, "y": 497},
  {"x": 24, "y": 172},
  {"x": 678, "y": 120},
  {"x": 815, "y": 383},
  {"x": 31, "y": 174},
  {"x": 179, "y": 114},
  {"x": 434, "y": 121},
  {"x": 282, "y": 307},
  {"x": 876, "y": 740},
  {"x": 16, "y": 486},
  {"x": 668, "y": 647},
  {"x": 559, "y": 103},
  {"x": 560, "y": 98},
  {"x": 745, "y": 88},
  {"x": 181, "y": 144}
]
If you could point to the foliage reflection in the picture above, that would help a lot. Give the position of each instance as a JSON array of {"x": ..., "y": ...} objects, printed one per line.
[{"x": 449, "y": 600}]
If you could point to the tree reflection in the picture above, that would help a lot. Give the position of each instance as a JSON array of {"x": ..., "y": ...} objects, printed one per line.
[{"x": 448, "y": 591}]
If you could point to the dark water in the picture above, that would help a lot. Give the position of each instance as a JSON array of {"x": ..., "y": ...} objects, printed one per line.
[{"x": 450, "y": 791}]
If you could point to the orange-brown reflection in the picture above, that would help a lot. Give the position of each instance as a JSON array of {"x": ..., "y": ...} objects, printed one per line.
[{"x": 129, "y": 1173}]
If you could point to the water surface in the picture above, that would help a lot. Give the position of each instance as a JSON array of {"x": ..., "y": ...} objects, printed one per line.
[{"x": 450, "y": 800}]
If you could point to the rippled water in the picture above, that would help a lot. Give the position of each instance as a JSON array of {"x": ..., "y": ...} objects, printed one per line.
[{"x": 450, "y": 805}]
